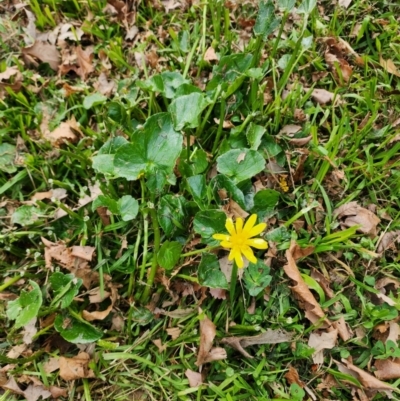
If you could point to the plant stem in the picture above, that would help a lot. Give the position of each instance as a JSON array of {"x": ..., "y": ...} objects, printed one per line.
[
  {"x": 200, "y": 128},
  {"x": 233, "y": 281},
  {"x": 135, "y": 257},
  {"x": 10, "y": 282},
  {"x": 154, "y": 264},
  {"x": 220, "y": 126}
]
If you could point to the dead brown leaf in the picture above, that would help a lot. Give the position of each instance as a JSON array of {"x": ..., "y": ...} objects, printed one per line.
[
  {"x": 226, "y": 124},
  {"x": 269, "y": 337},
  {"x": 344, "y": 332},
  {"x": 323, "y": 282},
  {"x": 35, "y": 391},
  {"x": 78, "y": 61},
  {"x": 387, "y": 369},
  {"x": 118, "y": 322},
  {"x": 16, "y": 351},
  {"x": 195, "y": 378},
  {"x": 176, "y": 314},
  {"x": 300, "y": 141},
  {"x": 51, "y": 365},
  {"x": 210, "y": 55},
  {"x": 158, "y": 343},
  {"x": 57, "y": 193},
  {"x": 352, "y": 214},
  {"x": 217, "y": 293},
  {"x": 104, "y": 86},
  {"x": 368, "y": 381},
  {"x": 313, "y": 310},
  {"x": 290, "y": 130},
  {"x": 8, "y": 296},
  {"x": 174, "y": 332},
  {"x": 322, "y": 96},
  {"x": 206, "y": 352},
  {"x": 10, "y": 78},
  {"x": 45, "y": 52},
  {"x": 76, "y": 367},
  {"x": 321, "y": 341},
  {"x": 67, "y": 131},
  {"x": 101, "y": 315},
  {"x": 389, "y": 66},
  {"x": 388, "y": 241},
  {"x": 292, "y": 376},
  {"x": 233, "y": 210},
  {"x": 29, "y": 331},
  {"x": 335, "y": 60}
]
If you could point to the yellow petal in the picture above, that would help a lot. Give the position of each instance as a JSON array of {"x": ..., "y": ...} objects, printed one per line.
[
  {"x": 248, "y": 252},
  {"x": 221, "y": 237},
  {"x": 230, "y": 227},
  {"x": 226, "y": 244},
  {"x": 239, "y": 225},
  {"x": 250, "y": 223},
  {"x": 258, "y": 229},
  {"x": 257, "y": 243},
  {"x": 239, "y": 260},
  {"x": 232, "y": 254}
]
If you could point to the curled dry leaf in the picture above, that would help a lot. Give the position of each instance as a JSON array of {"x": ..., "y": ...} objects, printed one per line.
[
  {"x": 290, "y": 130},
  {"x": 388, "y": 241},
  {"x": 334, "y": 57},
  {"x": 300, "y": 141},
  {"x": 11, "y": 78},
  {"x": 389, "y": 66},
  {"x": 76, "y": 367},
  {"x": 57, "y": 193},
  {"x": 344, "y": 332},
  {"x": 313, "y": 310},
  {"x": 352, "y": 214},
  {"x": 368, "y": 381},
  {"x": 45, "y": 52},
  {"x": 233, "y": 210},
  {"x": 195, "y": 378},
  {"x": 322, "y": 96},
  {"x": 206, "y": 352},
  {"x": 292, "y": 376},
  {"x": 269, "y": 337},
  {"x": 387, "y": 369},
  {"x": 101, "y": 315},
  {"x": 210, "y": 55},
  {"x": 67, "y": 131},
  {"x": 320, "y": 342},
  {"x": 175, "y": 314}
]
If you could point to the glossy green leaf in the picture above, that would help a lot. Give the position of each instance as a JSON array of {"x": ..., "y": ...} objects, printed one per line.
[
  {"x": 266, "y": 21},
  {"x": 93, "y": 100},
  {"x": 198, "y": 188},
  {"x": 65, "y": 287},
  {"x": 254, "y": 135},
  {"x": 306, "y": 6},
  {"x": 265, "y": 202},
  {"x": 157, "y": 146},
  {"x": 26, "y": 307},
  {"x": 25, "y": 215},
  {"x": 116, "y": 112},
  {"x": 240, "y": 164},
  {"x": 209, "y": 222},
  {"x": 172, "y": 214},
  {"x": 7, "y": 157},
  {"x": 103, "y": 162},
  {"x": 105, "y": 201},
  {"x": 128, "y": 207},
  {"x": 256, "y": 277},
  {"x": 223, "y": 183},
  {"x": 186, "y": 110},
  {"x": 209, "y": 272},
  {"x": 76, "y": 331},
  {"x": 166, "y": 83},
  {"x": 197, "y": 164},
  {"x": 169, "y": 254},
  {"x": 286, "y": 4}
]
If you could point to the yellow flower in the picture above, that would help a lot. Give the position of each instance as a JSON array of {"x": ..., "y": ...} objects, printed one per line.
[{"x": 240, "y": 239}]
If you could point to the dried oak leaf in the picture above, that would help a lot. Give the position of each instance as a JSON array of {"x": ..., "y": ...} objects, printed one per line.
[
  {"x": 292, "y": 376},
  {"x": 76, "y": 367},
  {"x": 313, "y": 310},
  {"x": 206, "y": 352},
  {"x": 269, "y": 337},
  {"x": 352, "y": 214},
  {"x": 321, "y": 341},
  {"x": 387, "y": 369},
  {"x": 195, "y": 378},
  {"x": 45, "y": 52}
]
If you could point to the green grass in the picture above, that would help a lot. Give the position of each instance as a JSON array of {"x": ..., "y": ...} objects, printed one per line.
[{"x": 165, "y": 199}]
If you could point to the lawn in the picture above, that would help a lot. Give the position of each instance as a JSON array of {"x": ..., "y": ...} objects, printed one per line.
[{"x": 199, "y": 200}]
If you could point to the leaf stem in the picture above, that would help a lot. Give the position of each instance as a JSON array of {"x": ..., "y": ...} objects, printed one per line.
[
  {"x": 10, "y": 282},
  {"x": 154, "y": 264},
  {"x": 233, "y": 281}
]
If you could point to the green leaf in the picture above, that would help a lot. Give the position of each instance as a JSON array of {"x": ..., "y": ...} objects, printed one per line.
[
  {"x": 103, "y": 162},
  {"x": 172, "y": 214},
  {"x": 142, "y": 316},
  {"x": 76, "y": 331},
  {"x": 187, "y": 89},
  {"x": 157, "y": 146},
  {"x": 105, "y": 201},
  {"x": 286, "y": 4},
  {"x": 65, "y": 287},
  {"x": 254, "y": 135},
  {"x": 266, "y": 21},
  {"x": 7, "y": 156},
  {"x": 26, "y": 307},
  {"x": 240, "y": 164},
  {"x": 197, "y": 164},
  {"x": 116, "y": 112},
  {"x": 169, "y": 254},
  {"x": 256, "y": 277},
  {"x": 265, "y": 202},
  {"x": 157, "y": 180},
  {"x": 220, "y": 183},
  {"x": 93, "y": 100},
  {"x": 166, "y": 83},
  {"x": 279, "y": 235},
  {"x": 25, "y": 215},
  {"x": 198, "y": 189},
  {"x": 209, "y": 222},
  {"x": 297, "y": 392},
  {"x": 128, "y": 207},
  {"x": 270, "y": 147},
  {"x": 186, "y": 110},
  {"x": 209, "y": 272},
  {"x": 306, "y": 6}
]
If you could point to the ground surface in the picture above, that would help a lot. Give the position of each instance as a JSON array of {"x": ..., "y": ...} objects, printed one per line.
[{"x": 130, "y": 131}]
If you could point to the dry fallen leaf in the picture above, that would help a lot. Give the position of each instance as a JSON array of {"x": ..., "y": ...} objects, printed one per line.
[
  {"x": 158, "y": 343},
  {"x": 104, "y": 86},
  {"x": 45, "y": 52},
  {"x": 206, "y": 352},
  {"x": 269, "y": 337},
  {"x": 51, "y": 365},
  {"x": 174, "y": 332},
  {"x": 313, "y": 310},
  {"x": 101, "y": 315},
  {"x": 195, "y": 378},
  {"x": 175, "y": 314},
  {"x": 29, "y": 331},
  {"x": 344, "y": 332},
  {"x": 290, "y": 129},
  {"x": 322, "y": 96},
  {"x": 10, "y": 78},
  {"x": 233, "y": 210},
  {"x": 76, "y": 367},
  {"x": 389, "y": 66},
  {"x": 387, "y": 369},
  {"x": 344, "y": 3},
  {"x": 218, "y": 293},
  {"x": 352, "y": 214},
  {"x": 66, "y": 132},
  {"x": 320, "y": 342},
  {"x": 334, "y": 57},
  {"x": 210, "y": 55},
  {"x": 388, "y": 241},
  {"x": 292, "y": 376}
]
